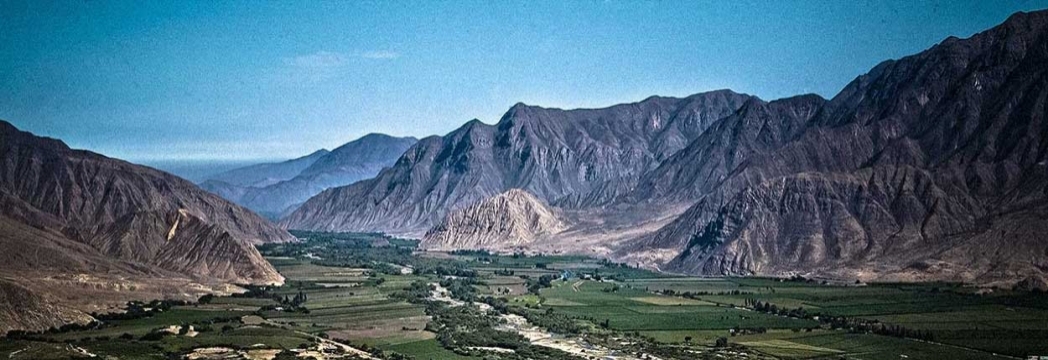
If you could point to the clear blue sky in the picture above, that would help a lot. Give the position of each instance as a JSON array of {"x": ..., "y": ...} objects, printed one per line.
[{"x": 156, "y": 80}]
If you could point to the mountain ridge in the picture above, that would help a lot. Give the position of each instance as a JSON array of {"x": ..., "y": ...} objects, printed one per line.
[
  {"x": 78, "y": 225},
  {"x": 570, "y": 158},
  {"x": 903, "y": 170},
  {"x": 356, "y": 160}
]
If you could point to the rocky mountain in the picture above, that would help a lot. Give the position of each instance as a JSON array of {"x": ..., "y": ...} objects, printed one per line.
[
  {"x": 569, "y": 158},
  {"x": 929, "y": 167},
  {"x": 78, "y": 225},
  {"x": 502, "y": 222},
  {"x": 354, "y": 161},
  {"x": 932, "y": 166},
  {"x": 261, "y": 175}
]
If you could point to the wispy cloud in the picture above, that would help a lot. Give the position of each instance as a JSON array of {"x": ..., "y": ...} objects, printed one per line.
[
  {"x": 317, "y": 60},
  {"x": 312, "y": 68},
  {"x": 323, "y": 65},
  {"x": 380, "y": 54}
]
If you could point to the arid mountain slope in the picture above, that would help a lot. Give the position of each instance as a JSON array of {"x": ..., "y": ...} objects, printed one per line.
[
  {"x": 918, "y": 169},
  {"x": 505, "y": 221},
  {"x": 71, "y": 216},
  {"x": 354, "y": 161},
  {"x": 569, "y": 158}
]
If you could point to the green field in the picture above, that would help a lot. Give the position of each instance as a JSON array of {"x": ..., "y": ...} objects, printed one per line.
[{"x": 350, "y": 288}]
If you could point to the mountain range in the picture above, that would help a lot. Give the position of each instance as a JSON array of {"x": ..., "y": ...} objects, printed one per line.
[
  {"x": 274, "y": 189},
  {"x": 81, "y": 232},
  {"x": 927, "y": 167},
  {"x": 569, "y": 158}
]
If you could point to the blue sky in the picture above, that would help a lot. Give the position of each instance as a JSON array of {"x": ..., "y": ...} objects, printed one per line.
[{"x": 246, "y": 80}]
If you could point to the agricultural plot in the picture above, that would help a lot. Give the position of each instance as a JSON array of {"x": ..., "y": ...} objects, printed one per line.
[
  {"x": 425, "y": 350},
  {"x": 962, "y": 321},
  {"x": 354, "y": 294},
  {"x": 629, "y": 309}
]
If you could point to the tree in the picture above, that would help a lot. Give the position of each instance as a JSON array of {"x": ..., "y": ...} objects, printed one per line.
[
  {"x": 286, "y": 355},
  {"x": 687, "y": 339},
  {"x": 722, "y": 342}
]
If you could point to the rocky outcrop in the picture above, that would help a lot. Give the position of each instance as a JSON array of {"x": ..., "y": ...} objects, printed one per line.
[
  {"x": 354, "y": 161},
  {"x": 569, "y": 158},
  {"x": 508, "y": 220}
]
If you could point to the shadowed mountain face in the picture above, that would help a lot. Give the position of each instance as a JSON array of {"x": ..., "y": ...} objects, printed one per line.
[
  {"x": 570, "y": 158},
  {"x": 928, "y": 167},
  {"x": 109, "y": 223},
  {"x": 275, "y": 189}
]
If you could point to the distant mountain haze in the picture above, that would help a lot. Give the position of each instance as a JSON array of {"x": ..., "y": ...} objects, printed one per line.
[
  {"x": 261, "y": 175},
  {"x": 930, "y": 167},
  {"x": 274, "y": 189}
]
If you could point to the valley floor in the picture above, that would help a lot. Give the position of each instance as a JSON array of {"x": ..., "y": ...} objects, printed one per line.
[{"x": 366, "y": 296}]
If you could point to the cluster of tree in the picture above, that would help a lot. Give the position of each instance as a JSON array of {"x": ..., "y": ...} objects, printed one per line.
[
  {"x": 461, "y": 288},
  {"x": 697, "y": 294},
  {"x": 466, "y": 329},
  {"x": 551, "y": 320},
  {"x": 596, "y": 275},
  {"x": 467, "y": 326},
  {"x": 544, "y": 281},
  {"x": 748, "y": 331},
  {"x": 256, "y": 291},
  {"x": 38, "y": 335},
  {"x": 374, "y": 280},
  {"x": 770, "y": 308},
  {"x": 386, "y": 268},
  {"x": 445, "y": 269},
  {"x": 842, "y": 322},
  {"x": 612, "y": 289},
  {"x": 416, "y": 293},
  {"x": 284, "y": 302},
  {"x": 373, "y": 350},
  {"x": 611, "y": 264},
  {"x": 504, "y": 272},
  {"x": 477, "y": 252}
]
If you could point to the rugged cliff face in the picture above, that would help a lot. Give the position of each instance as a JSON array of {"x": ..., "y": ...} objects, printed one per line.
[
  {"x": 913, "y": 171},
  {"x": 505, "y": 221},
  {"x": 570, "y": 158},
  {"x": 79, "y": 215},
  {"x": 260, "y": 189}
]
